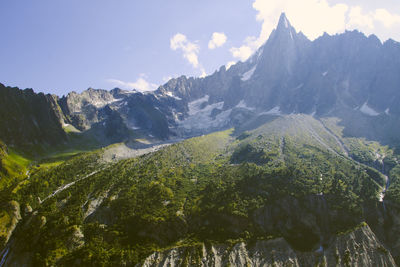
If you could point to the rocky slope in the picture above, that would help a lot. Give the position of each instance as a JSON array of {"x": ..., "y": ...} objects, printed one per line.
[
  {"x": 28, "y": 118},
  {"x": 356, "y": 248}
]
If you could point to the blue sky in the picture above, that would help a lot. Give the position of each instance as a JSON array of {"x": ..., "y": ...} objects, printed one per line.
[{"x": 56, "y": 46}]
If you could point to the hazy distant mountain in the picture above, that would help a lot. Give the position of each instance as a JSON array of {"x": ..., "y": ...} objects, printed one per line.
[
  {"x": 345, "y": 75},
  {"x": 293, "y": 74}
]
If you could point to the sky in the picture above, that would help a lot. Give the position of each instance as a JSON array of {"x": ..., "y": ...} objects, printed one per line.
[{"x": 58, "y": 46}]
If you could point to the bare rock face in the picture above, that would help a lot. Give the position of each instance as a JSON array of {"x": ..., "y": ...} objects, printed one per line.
[
  {"x": 76, "y": 239},
  {"x": 357, "y": 248},
  {"x": 28, "y": 118},
  {"x": 83, "y": 109}
]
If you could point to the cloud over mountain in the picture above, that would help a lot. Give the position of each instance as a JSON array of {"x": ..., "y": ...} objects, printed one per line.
[{"x": 218, "y": 39}]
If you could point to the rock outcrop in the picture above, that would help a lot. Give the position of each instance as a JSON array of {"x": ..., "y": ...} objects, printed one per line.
[
  {"x": 28, "y": 118},
  {"x": 357, "y": 248}
]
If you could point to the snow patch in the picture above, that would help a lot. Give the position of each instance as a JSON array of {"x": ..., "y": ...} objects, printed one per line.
[
  {"x": 274, "y": 111},
  {"x": 195, "y": 106},
  {"x": 242, "y": 104},
  {"x": 133, "y": 91},
  {"x": 173, "y": 96},
  {"x": 200, "y": 118},
  {"x": 368, "y": 110},
  {"x": 102, "y": 103},
  {"x": 247, "y": 75}
]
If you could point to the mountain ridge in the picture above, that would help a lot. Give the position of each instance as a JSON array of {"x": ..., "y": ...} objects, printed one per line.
[{"x": 297, "y": 148}]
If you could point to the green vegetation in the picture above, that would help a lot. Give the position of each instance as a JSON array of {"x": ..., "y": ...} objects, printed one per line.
[
  {"x": 393, "y": 192},
  {"x": 367, "y": 152},
  {"x": 16, "y": 168},
  {"x": 13, "y": 167},
  {"x": 70, "y": 129},
  {"x": 218, "y": 188},
  {"x": 378, "y": 157},
  {"x": 5, "y": 219},
  {"x": 350, "y": 230}
]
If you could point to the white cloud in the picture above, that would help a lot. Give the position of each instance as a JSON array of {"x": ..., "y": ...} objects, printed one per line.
[
  {"x": 218, "y": 39},
  {"x": 190, "y": 50},
  {"x": 356, "y": 18},
  {"x": 140, "y": 84},
  {"x": 386, "y": 18},
  {"x": 247, "y": 49}
]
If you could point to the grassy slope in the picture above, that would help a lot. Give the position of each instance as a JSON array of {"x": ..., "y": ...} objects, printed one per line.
[
  {"x": 208, "y": 188},
  {"x": 18, "y": 165},
  {"x": 372, "y": 153}
]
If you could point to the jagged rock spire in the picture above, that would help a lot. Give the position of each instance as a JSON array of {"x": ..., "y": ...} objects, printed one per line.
[{"x": 283, "y": 22}]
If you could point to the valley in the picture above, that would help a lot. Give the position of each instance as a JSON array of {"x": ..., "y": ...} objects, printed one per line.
[
  {"x": 194, "y": 193},
  {"x": 290, "y": 158}
]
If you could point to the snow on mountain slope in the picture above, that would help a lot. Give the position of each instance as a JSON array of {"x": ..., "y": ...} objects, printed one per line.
[
  {"x": 242, "y": 104},
  {"x": 368, "y": 110},
  {"x": 247, "y": 75},
  {"x": 200, "y": 116},
  {"x": 273, "y": 111}
]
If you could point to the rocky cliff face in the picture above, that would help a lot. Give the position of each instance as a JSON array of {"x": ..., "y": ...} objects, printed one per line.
[
  {"x": 357, "y": 248},
  {"x": 28, "y": 118},
  {"x": 136, "y": 111},
  {"x": 82, "y": 110}
]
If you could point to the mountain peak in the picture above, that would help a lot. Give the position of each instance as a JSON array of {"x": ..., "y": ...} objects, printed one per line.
[{"x": 283, "y": 22}]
